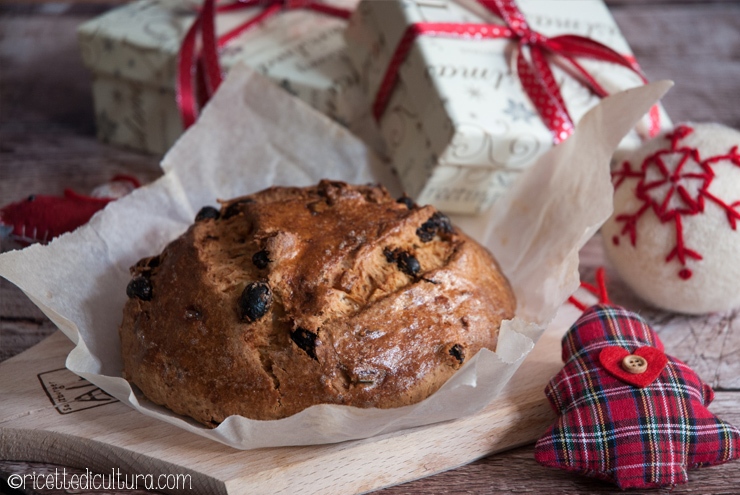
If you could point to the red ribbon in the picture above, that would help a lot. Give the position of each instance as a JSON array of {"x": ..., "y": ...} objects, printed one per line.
[
  {"x": 535, "y": 74},
  {"x": 189, "y": 62}
]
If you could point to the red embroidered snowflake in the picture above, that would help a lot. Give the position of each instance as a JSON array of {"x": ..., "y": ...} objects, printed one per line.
[{"x": 675, "y": 183}]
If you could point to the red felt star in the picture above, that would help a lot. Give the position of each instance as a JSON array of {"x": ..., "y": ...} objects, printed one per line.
[{"x": 637, "y": 433}]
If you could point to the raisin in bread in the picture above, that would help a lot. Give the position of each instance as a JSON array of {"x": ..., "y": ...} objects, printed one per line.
[{"x": 291, "y": 297}]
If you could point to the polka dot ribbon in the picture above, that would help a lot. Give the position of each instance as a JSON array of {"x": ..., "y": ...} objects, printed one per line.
[
  {"x": 535, "y": 74},
  {"x": 204, "y": 67}
]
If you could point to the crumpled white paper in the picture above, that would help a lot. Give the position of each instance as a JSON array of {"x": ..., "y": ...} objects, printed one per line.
[{"x": 253, "y": 135}]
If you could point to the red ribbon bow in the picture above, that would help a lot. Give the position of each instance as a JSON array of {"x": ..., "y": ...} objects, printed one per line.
[
  {"x": 188, "y": 62},
  {"x": 535, "y": 74}
]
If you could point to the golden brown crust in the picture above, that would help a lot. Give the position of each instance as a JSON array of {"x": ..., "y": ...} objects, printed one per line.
[{"x": 332, "y": 294}]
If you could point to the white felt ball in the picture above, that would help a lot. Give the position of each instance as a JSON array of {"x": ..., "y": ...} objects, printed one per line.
[{"x": 674, "y": 236}]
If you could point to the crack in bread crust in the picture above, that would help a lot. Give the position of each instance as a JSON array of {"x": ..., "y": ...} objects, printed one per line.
[{"x": 371, "y": 303}]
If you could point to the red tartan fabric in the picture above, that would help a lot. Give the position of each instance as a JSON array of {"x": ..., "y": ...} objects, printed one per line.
[{"x": 634, "y": 437}]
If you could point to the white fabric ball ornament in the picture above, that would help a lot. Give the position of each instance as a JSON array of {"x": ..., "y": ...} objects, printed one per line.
[{"x": 674, "y": 236}]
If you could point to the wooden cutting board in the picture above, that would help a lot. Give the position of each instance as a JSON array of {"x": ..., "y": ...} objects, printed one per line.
[{"x": 48, "y": 414}]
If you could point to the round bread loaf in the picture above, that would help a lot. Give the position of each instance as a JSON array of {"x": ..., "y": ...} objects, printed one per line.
[{"x": 291, "y": 297}]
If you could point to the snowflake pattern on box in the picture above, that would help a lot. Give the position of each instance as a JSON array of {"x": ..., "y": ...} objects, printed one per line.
[
  {"x": 674, "y": 183},
  {"x": 517, "y": 110}
]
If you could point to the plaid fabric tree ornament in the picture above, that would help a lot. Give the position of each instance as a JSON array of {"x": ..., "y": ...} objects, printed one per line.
[{"x": 629, "y": 413}]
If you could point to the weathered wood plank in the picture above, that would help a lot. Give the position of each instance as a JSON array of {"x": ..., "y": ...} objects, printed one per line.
[
  {"x": 47, "y": 163},
  {"x": 16, "y": 334},
  {"x": 709, "y": 344},
  {"x": 14, "y": 305},
  {"x": 696, "y": 45},
  {"x": 22, "y": 324}
]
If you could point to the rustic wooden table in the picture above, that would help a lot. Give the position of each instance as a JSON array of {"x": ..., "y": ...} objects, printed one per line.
[{"x": 47, "y": 143}]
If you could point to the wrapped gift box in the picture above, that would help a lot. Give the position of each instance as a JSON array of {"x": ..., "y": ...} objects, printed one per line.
[
  {"x": 132, "y": 52},
  {"x": 459, "y": 126}
]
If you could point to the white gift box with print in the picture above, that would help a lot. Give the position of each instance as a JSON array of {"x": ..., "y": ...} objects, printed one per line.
[
  {"x": 133, "y": 50},
  {"x": 459, "y": 126}
]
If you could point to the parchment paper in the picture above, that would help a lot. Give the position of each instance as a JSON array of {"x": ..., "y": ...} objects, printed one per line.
[{"x": 254, "y": 135}]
